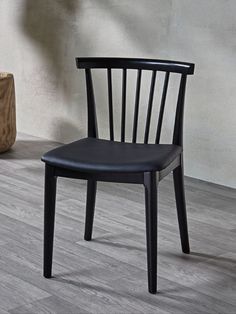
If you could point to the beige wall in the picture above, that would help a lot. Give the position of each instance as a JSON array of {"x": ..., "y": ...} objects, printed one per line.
[{"x": 39, "y": 40}]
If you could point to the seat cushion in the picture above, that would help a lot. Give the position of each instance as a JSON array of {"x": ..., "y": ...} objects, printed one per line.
[{"x": 97, "y": 155}]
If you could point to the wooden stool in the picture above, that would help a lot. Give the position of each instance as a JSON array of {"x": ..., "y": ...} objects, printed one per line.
[{"x": 7, "y": 112}]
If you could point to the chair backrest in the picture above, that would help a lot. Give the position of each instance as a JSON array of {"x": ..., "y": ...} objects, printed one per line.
[{"x": 182, "y": 68}]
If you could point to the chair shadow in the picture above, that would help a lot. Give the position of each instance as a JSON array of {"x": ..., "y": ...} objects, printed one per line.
[
  {"x": 215, "y": 257},
  {"x": 129, "y": 294},
  {"x": 203, "y": 257},
  {"x": 79, "y": 284},
  {"x": 83, "y": 285},
  {"x": 106, "y": 241},
  {"x": 171, "y": 295}
]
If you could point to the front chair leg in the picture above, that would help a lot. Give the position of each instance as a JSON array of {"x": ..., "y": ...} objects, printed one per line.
[
  {"x": 150, "y": 184},
  {"x": 49, "y": 217},
  {"x": 90, "y": 207},
  {"x": 181, "y": 207}
]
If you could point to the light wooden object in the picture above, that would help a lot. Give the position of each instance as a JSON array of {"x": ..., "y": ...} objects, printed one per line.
[{"x": 7, "y": 112}]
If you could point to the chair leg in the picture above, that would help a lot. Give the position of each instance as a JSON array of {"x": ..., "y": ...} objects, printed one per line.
[
  {"x": 90, "y": 207},
  {"x": 181, "y": 208},
  {"x": 151, "y": 228},
  {"x": 49, "y": 217}
]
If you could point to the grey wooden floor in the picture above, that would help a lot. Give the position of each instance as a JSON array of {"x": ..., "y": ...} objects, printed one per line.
[{"x": 108, "y": 274}]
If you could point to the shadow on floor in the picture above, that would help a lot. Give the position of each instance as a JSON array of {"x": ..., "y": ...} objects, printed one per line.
[
  {"x": 211, "y": 259},
  {"x": 28, "y": 149}
]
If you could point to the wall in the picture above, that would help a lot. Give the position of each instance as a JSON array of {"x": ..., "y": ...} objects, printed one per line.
[{"x": 40, "y": 39}]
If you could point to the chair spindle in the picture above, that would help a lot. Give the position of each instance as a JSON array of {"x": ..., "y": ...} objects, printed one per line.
[
  {"x": 162, "y": 107},
  {"x": 110, "y": 101},
  {"x": 149, "y": 110},
  {"x": 92, "y": 118},
  {"x": 123, "y": 112},
  {"x": 136, "y": 107}
]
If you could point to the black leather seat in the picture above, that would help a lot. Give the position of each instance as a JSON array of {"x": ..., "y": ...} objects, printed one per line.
[{"x": 95, "y": 155}]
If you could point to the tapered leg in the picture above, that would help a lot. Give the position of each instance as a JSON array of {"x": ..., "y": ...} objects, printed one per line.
[
  {"x": 90, "y": 207},
  {"x": 49, "y": 217},
  {"x": 151, "y": 228},
  {"x": 181, "y": 207}
]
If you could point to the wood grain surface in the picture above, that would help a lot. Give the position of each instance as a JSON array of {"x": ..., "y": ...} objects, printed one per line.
[{"x": 7, "y": 111}]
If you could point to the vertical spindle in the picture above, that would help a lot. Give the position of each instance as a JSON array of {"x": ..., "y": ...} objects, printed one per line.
[
  {"x": 162, "y": 107},
  {"x": 149, "y": 111},
  {"x": 92, "y": 118},
  {"x": 136, "y": 106},
  {"x": 110, "y": 103},
  {"x": 123, "y": 111}
]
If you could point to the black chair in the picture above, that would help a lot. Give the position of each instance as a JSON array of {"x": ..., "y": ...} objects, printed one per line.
[{"x": 95, "y": 159}]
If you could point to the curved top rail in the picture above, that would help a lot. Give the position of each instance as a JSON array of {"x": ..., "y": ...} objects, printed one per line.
[{"x": 135, "y": 63}]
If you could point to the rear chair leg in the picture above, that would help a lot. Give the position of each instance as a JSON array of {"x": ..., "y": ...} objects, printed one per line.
[
  {"x": 151, "y": 228},
  {"x": 90, "y": 207},
  {"x": 49, "y": 217},
  {"x": 181, "y": 208}
]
